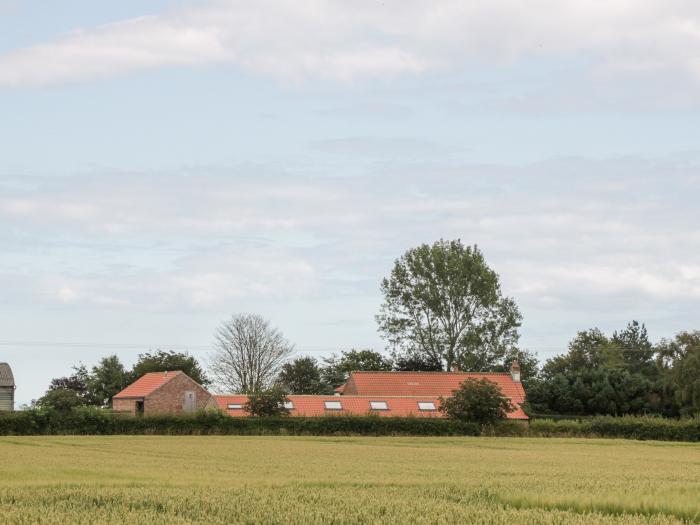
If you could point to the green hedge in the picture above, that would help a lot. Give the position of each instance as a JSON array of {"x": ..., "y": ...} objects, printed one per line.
[
  {"x": 91, "y": 421},
  {"x": 101, "y": 422}
]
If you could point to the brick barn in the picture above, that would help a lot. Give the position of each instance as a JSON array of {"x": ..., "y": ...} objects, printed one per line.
[
  {"x": 163, "y": 393},
  {"x": 397, "y": 394}
]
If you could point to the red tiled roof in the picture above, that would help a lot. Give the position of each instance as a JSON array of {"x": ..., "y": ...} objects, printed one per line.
[
  {"x": 426, "y": 383},
  {"x": 147, "y": 384},
  {"x": 398, "y": 406}
]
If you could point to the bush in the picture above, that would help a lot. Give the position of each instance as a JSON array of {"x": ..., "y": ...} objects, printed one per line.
[
  {"x": 477, "y": 400},
  {"x": 267, "y": 403}
]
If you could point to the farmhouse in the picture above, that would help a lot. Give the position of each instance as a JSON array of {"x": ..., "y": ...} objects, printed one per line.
[
  {"x": 7, "y": 388},
  {"x": 397, "y": 394},
  {"x": 163, "y": 392}
]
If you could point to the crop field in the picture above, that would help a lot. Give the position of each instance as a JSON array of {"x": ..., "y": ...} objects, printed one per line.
[{"x": 160, "y": 479}]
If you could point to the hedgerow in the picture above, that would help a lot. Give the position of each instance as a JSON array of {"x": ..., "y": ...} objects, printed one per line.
[{"x": 90, "y": 421}]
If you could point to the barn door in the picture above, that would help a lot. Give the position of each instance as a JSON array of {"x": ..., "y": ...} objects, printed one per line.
[{"x": 190, "y": 404}]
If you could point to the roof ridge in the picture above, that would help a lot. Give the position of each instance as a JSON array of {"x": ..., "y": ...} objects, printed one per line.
[{"x": 425, "y": 372}]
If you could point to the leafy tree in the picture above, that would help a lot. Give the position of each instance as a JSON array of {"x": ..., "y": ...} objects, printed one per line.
[
  {"x": 590, "y": 349},
  {"x": 685, "y": 372},
  {"x": 161, "y": 361},
  {"x": 413, "y": 361},
  {"x": 249, "y": 354},
  {"x": 302, "y": 376},
  {"x": 477, "y": 400},
  {"x": 621, "y": 374},
  {"x": 336, "y": 369},
  {"x": 105, "y": 380},
  {"x": 443, "y": 300},
  {"x": 636, "y": 349},
  {"x": 267, "y": 403},
  {"x": 60, "y": 399},
  {"x": 76, "y": 382}
]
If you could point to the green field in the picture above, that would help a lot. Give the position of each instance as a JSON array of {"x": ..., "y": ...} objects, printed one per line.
[{"x": 163, "y": 479}]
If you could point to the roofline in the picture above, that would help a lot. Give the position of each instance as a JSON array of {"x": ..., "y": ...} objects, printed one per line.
[
  {"x": 340, "y": 398},
  {"x": 429, "y": 372},
  {"x": 173, "y": 373}
]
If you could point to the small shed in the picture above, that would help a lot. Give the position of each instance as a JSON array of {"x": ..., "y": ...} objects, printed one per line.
[{"x": 7, "y": 388}]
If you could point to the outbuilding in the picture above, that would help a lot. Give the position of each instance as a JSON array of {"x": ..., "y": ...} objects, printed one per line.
[
  {"x": 7, "y": 388},
  {"x": 163, "y": 392}
]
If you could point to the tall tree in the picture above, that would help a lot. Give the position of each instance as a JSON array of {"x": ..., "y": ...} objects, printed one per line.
[
  {"x": 106, "y": 379},
  {"x": 684, "y": 353},
  {"x": 248, "y": 354},
  {"x": 161, "y": 361},
  {"x": 636, "y": 349},
  {"x": 302, "y": 376},
  {"x": 336, "y": 369},
  {"x": 443, "y": 300},
  {"x": 415, "y": 361}
]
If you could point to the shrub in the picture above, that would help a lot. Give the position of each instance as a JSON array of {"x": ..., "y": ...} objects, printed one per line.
[
  {"x": 477, "y": 400},
  {"x": 267, "y": 403}
]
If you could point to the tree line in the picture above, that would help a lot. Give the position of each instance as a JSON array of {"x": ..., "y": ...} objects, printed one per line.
[{"x": 442, "y": 308}]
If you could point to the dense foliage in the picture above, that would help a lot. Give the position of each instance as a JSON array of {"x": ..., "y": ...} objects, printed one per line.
[
  {"x": 92, "y": 421},
  {"x": 302, "y": 376},
  {"x": 445, "y": 302},
  {"x": 336, "y": 369},
  {"x": 622, "y": 374},
  {"x": 477, "y": 400},
  {"x": 267, "y": 403},
  {"x": 161, "y": 361}
]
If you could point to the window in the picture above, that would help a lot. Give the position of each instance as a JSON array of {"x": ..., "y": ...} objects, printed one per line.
[
  {"x": 378, "y": 405},
  {"x": 426, "y": 405},
  {"x": 235, "y": 406},
  {"x": 288, "y": 405},
  {"x": 333, "y": 405}
]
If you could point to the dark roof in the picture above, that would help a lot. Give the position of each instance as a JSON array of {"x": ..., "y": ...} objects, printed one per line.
[{"x": 6, "y": 377}]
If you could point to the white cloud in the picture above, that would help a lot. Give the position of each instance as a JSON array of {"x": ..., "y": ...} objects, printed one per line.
[
  {"x": 625, "y": 231},
  {"x": 294, "y": 40}
]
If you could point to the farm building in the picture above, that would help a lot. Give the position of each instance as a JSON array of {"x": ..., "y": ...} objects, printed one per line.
[
  {"x": 7, "y": 388},
  {"x": 163, "y": 392},
  {"x": 397, "y": 394}
]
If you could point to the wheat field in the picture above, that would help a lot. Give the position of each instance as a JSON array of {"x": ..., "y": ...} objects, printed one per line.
[{"x": 160, "y": 479}]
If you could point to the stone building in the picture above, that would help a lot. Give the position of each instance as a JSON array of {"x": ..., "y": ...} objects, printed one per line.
[
  {"x": 163, "y": 393},
  {"x": 7, "y": 388}
]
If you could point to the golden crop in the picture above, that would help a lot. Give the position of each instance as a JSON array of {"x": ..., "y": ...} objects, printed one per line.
[{"x": 312, "y": 480}]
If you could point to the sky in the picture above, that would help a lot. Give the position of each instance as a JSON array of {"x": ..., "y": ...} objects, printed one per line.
[{"x": 167, "y": 164}]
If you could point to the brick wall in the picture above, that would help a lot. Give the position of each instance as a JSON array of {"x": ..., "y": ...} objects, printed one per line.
[
  {"x": 124, "y": 405},
  {"x": 170, "y": 398}
]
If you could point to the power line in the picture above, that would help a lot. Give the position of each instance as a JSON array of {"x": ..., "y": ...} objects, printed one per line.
[{"x": 128, "y": 346}]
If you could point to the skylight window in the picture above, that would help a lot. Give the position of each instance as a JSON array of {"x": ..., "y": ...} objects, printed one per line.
[
  {"x": 235, "y": 406},
  {"x": 333, "y": 405},
  {"x": 288, "y": 405},
  {"x": 378, "y": 405},
  {"x": 426, "y": 405}
]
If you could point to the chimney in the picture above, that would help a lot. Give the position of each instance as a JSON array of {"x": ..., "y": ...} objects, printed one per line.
[
  {"x": 455, "y": 368},
  {"x": 515, "y": 371}
]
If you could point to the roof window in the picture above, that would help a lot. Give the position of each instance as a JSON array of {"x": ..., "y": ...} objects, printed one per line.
[
  {"x": 235, "y": 406},
  {"x": 378, "y": 405},
  {"x": 288, "y": 405},
  {"x": 333, "y": 405},
  {"x": 426, "y": 405}
]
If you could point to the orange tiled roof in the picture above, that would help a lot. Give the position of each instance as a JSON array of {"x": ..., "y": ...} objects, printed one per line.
[
  {"x": 426, "y": 383},
  {"x": 147, "y": 384},
  {"x": 398, "y": 406}
]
